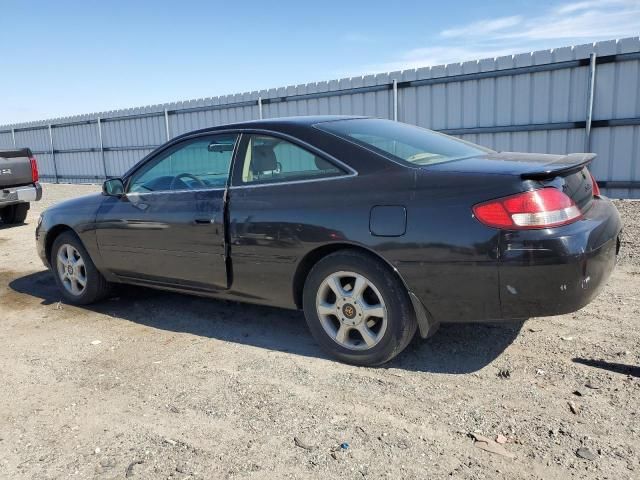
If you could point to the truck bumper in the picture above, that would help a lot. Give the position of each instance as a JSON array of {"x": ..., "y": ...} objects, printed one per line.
[{"x": 25, "y": 194}]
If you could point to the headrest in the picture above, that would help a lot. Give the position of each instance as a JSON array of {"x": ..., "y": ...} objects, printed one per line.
[{"x": 263, "y": 159}]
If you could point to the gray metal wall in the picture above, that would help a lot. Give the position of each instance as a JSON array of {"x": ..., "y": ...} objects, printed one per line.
[{"x": 533, "y": 102}]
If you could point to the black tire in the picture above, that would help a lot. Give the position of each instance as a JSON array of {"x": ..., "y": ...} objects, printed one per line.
[
  {"x": 15, "y": 213},
  {"x": 97, "y": 288},
  {"x": 401, "y": 322}
]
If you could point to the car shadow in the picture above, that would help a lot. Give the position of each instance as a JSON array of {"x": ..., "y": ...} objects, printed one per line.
[
  {"x": 621, "y": 368},
  {"x": 11, "y": 225},
  {"x": 455, "y": 349}
]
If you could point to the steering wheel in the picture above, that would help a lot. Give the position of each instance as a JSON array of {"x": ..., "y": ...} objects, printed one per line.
[{"x": 186, "y": 175}]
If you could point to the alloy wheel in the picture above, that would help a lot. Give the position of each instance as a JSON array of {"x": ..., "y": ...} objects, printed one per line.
[
  {"x": 71, "y": 269},
  {"x": 351, "y": 310}
]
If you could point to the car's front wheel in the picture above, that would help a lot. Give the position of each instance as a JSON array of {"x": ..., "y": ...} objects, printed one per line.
[
  {"x": 77, "y": 277},
  {"x": 357, "y": 309}
]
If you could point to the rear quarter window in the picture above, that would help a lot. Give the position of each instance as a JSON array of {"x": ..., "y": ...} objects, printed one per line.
[{"x": 401, "y": 142}]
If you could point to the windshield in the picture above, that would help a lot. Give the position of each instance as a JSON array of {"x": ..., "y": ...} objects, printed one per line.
[{"x": 399, "y": 141}]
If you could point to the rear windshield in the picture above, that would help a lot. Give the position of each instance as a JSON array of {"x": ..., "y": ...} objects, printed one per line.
[{"x": 399, "y": 141}]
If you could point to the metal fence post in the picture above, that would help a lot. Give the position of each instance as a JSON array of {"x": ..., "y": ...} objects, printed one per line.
[
  {"x": 395, "y": 100},
  {"x": 260, "y": 108},
  {"x": 166, "y": 124},
  {"x": 53, "y": 155},
  {"x": 104, "y": 161},
  {"x": 13, "y": 137},
  {"x": 590, "y": 96}
]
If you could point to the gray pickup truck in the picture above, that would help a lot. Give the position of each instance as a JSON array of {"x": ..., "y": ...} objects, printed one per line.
[{"x": 18, "y": 184}]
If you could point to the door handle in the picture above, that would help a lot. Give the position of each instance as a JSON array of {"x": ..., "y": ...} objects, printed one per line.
[{"x": 205, "y": 221}]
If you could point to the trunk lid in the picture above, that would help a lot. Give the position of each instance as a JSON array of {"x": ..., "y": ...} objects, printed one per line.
[
  {"x": 568, "y": 173},
  {"x": 15, "y": 168}
]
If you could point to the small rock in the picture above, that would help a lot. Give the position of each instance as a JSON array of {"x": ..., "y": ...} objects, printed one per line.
[
  {"x": 573, "y": 407},
  {"x": 535, "y": 330},
  {"x": 97, "y": 450},
  {"x": 488, "y": 445},
  {"x": 586, "y": 454},
  {"x": 302, "y": 444},
  {"x": 170, "y": 442},
  {"x": 592, "y": 386},
  {"x": 501, "y": 439},
  {"x": 129, "y": 471},
  {"x": 567, "y": 339},
  {"x": 578, "y": 393},
  {"x": 96, "y": 342},
  {"x": 540, "y": 372},
  {"x": 107, "y": 463},
  {"x": 504, "y": 373}
]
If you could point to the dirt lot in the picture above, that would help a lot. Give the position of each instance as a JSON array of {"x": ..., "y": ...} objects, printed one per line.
[{"x": 158, "y": 385}]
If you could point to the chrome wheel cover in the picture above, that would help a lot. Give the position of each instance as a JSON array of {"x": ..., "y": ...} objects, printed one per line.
[
  {"x": 71, "y": 270},
  {"x": 351, "y": 310}
]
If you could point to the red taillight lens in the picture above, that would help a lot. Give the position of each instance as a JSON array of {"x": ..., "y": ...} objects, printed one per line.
[
  {"x": 547, "y": 207},
  {"x": 35, "y": 176},
  {"x": 594, "y": 184}
]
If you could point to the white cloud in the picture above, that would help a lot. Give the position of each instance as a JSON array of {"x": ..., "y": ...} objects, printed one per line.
[
  {"x": 589, "y": 4},
  {"x": 586, "y": 20},
  {"x": 567, "y": 24},
  {"x": 483, "y": 27}
]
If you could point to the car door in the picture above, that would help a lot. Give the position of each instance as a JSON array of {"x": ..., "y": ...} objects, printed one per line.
[
  {"x": 168, "y": 228},
  {"x": 276, "y": 210}
]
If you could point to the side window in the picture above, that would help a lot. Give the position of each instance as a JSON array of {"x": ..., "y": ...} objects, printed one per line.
[
  {"x": 271, "y": 159},
  {"x": 194, "y": 165}
]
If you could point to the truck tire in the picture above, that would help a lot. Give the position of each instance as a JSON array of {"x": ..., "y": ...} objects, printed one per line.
[
  {"x": 357, "y": 309},
  {"x": 15, "y": 213}
]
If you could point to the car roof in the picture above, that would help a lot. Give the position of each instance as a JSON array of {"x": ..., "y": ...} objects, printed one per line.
[
  {"x": 300, "y": 127},
  {"x": 274, "y": 123},
  {"x": 298, "y": 120}
]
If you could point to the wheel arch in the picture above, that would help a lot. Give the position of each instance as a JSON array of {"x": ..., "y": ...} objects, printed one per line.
[
  {"x": 426, "y": 323},
  {"x": 54, "y": 233},
  {"x": 314, "y": 256}
]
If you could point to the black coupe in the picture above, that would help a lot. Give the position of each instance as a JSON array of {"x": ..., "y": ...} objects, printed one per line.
[{"x": 376, "y": 229}]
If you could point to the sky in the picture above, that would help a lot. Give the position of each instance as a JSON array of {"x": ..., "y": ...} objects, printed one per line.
[{"x": 61, "y": 58}]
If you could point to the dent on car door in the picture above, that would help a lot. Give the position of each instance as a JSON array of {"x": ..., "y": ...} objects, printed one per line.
[
  {"x": 275, "y": 214},
  {"x": 169, "y": 226}
]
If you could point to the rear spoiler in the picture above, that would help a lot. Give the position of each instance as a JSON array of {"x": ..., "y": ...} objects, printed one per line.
[
  {"x": 22, "y": 152},
  {"x": 571, "y": 163}
]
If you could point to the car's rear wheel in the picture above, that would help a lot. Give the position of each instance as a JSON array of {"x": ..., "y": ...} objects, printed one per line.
[
  {"x": 76, "y": 275},
  {"x": 357, "y": 309},
  {"x": 14, "y": 213}
]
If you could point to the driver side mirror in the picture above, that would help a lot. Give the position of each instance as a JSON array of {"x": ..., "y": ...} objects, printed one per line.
[{"x": 113, "y": 187}]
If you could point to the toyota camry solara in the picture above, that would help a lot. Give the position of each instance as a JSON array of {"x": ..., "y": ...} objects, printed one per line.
[{"x": 376, "y": 229}]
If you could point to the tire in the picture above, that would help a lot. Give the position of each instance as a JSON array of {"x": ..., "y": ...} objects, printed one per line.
[
  {"x": 77, "y": 267},
  {"x": 15, "y": 213},
  {"x": 375, "y": 308}
]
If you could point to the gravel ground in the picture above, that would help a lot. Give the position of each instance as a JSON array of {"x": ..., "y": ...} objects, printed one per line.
[{"x": 159, "y": 385}]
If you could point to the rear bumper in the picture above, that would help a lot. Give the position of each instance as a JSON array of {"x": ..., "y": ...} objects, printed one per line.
[
  {"x": 25, "y": 194},
  {"x": 559, "y": 270}
]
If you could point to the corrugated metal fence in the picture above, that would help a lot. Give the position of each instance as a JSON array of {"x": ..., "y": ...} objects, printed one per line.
[{"x": 573, "y": 99}]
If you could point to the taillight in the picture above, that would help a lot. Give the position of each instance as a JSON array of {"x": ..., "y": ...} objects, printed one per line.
[
  {"x": 595, "y": 188},
  {"x": 34, "y": 169},
  {"x": 547, "y": 207}
]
